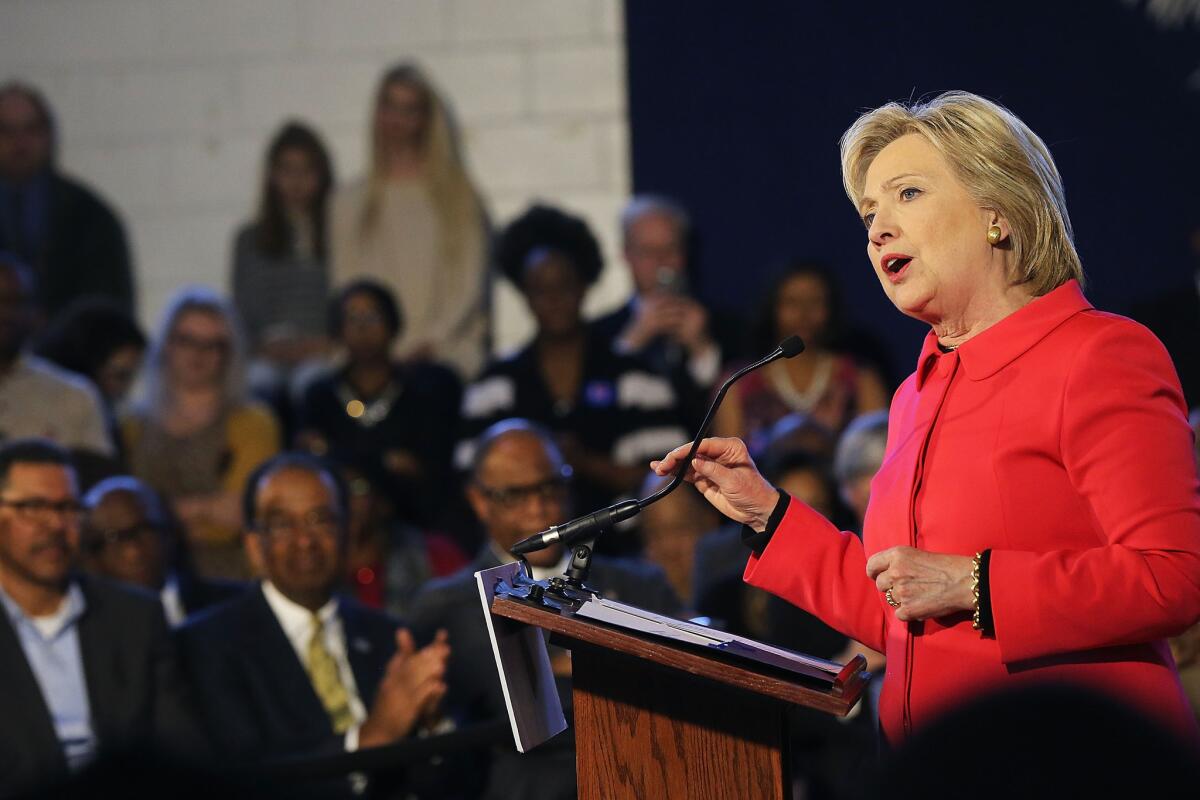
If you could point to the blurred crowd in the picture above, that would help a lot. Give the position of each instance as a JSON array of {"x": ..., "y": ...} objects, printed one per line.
[{"x": 302, "y": 470}]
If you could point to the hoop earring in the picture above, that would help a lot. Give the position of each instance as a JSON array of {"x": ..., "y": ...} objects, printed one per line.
[{"x": 993, "y": 235}]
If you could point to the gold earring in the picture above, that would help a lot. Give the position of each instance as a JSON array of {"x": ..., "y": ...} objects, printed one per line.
[{"x": 993, "y": 235}]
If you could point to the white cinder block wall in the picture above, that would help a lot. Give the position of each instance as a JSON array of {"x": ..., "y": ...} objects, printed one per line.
[{"x": 165, "y": 106}]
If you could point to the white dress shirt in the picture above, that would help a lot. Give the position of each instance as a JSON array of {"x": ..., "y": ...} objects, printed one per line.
[{"x": 297, "y": 624}]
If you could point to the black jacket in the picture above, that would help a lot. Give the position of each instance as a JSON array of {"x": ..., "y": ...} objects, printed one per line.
[{"x": 137, "y": 691}]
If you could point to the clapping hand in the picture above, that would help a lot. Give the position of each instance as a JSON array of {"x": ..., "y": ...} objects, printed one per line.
[{"x": 411, "y": 689}]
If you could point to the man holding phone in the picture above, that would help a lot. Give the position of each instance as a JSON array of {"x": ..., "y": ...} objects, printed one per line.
[{"x": 662, "y": 323}]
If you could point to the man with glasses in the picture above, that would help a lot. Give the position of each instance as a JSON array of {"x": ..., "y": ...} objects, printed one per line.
[
  {"x": 86, "y": 667},
  {"x": 518, "y": 486},
  {"x": 128, "y": 537},
  {"x": 290, "y": 667}
]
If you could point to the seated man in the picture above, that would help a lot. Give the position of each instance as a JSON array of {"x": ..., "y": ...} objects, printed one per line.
[
  {"x": 289, "y": 667},
  {"x": 86, "y": 667},
  {"x": 127, "y": 537},
  {"x": 518, "y": 486}
]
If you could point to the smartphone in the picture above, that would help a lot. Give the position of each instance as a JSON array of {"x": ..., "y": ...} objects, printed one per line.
[{"x": 671, "y": 280}]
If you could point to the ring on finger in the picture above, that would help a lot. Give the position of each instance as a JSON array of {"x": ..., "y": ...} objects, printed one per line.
[{"x": 891, "y": 601}]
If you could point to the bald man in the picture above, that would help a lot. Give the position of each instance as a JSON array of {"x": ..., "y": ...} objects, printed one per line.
[{"x": 519, "y": 485}]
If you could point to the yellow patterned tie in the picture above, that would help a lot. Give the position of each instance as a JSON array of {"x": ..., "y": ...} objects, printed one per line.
[{"x": 327, "y": 680}]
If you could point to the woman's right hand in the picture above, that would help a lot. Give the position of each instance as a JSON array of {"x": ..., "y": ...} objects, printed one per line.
[{"x": 724, "y": 473}]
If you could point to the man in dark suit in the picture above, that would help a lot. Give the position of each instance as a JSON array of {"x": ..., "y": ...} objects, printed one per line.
[
  {"x": 73, "y": 240},
  {"x": 518, "y": 486},
  {"x": 289, "y": 667},
  {"x": 128, "y": 537},
  {"x": 86, "y": 667}
]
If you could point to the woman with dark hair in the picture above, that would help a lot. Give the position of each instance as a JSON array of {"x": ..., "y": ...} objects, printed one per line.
[
  {"x": 98, "y": 339},
  {"x": 606, "y": 409},
  {"x": 395, "y": 420},
  {"x": 282, "y": 255},
  {"x": 820, "y": 382},
  {"x": 415, "y": 221}
]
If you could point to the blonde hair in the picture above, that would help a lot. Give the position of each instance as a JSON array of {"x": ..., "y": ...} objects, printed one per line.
[
  {"x": 156, "y": 389},
  {"x": 1003, "y": 164},
  {"x": 450, "y": 189}
]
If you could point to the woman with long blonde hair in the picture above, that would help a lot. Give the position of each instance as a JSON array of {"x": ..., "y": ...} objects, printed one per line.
[{"x": 415, "y": 222}]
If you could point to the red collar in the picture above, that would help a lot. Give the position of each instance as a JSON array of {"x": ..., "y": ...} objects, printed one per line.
[{"x": 995, "y": 348}]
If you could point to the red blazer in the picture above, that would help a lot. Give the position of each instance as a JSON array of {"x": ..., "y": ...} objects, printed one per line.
[{"x": 1059, "y": 439}]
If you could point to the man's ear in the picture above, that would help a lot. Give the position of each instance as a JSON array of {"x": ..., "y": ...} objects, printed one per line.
[
  {"x": 479, "y": 503},
  {"x": 253, "y": 542}
]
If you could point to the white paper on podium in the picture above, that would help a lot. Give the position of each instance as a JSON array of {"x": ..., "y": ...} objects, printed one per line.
[
  {"x": 534, "y": 708},
  {"x": 643, "y": 621}
]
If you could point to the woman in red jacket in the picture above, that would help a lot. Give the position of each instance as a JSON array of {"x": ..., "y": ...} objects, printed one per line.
[{"x": 1036, "y": 517}]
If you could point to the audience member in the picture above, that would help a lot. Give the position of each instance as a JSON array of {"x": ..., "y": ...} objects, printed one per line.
[
  {"x": 518, "y": 486},
  {"x": 86, "y": 667},
  {"x": 1043, "y": 742},
  {"x": 195, "y": 437},
  {"x": 663, "y": 324},
  {"x": 279, "y": 281},
  {"x": 608, "y": 411},
  {"x": 820, "y": 382},
  {"x": 396, "y": 419},
  {"x": 74, "y": 242},
  {"x": 670, "y": 529},
  {"x": 290, "y": 667},
  {"x": 389, "y": 559},
  {"x": 36, "y": 397},
  {"x": 859, "y": 455},
  {"x": 416, "y": 223},
  {"x": 96, "y": 338},
  {"x": 128, "y": 537}
]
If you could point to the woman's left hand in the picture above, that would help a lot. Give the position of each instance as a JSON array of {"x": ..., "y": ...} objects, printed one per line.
[{"x": 925, "y": 585}]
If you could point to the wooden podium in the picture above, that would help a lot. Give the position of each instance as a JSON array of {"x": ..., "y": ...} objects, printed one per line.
[{"x": 656, "y": 719}]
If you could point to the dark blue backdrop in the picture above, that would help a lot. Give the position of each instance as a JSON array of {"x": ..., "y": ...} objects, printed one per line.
[{"x": 738, "y": 113}]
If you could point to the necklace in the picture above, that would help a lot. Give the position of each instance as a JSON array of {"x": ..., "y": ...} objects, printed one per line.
[
  {"x": 794, "y": 398},
  {"x": 369, "y": 413}
]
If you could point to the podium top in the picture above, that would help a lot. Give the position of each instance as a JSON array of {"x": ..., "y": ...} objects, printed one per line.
[{"x": 837, "y": 696}]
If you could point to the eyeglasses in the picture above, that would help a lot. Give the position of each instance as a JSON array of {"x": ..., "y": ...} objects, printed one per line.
[
  {"x": 321, "y": 522},
  {"x": 550, "y": 490},
  {"x": 41, "y": 510},
  {"x": 98, "y": 539},
  {"x": 217, "y": 346}
]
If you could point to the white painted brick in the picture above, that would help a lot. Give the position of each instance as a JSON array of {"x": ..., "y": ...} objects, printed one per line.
[
  {"x": 210, "y": 29},
  {"x": 477, "y": 21},
  {"x": 62, "y": 32},
  {"x": 612, "y": 18},
  {"x": 143, "y": 103},
  {"x": 486, "y": 85},
  {"x": 349, "y": 148},
  {"x": 323, "y": 93},
  {"x": 176, "y": 250},
  {"x": 546, "y": 155},
  {"x": 614, "y": 154},
  {"x": 347, "y": 25},
  {"x": 214, "y": 171},
  {"x": 130, "y": 176},
  {"x": 588, "y": 79}
]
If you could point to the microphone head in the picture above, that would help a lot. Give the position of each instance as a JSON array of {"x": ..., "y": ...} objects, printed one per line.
[{"x": 792, "y": 346}]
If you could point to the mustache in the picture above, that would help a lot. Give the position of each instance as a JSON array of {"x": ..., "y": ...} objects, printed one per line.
[{"x": 58, "y": 541}]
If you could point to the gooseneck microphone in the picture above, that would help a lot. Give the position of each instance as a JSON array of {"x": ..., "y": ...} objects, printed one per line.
[{"x": 589, "y": 525}]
